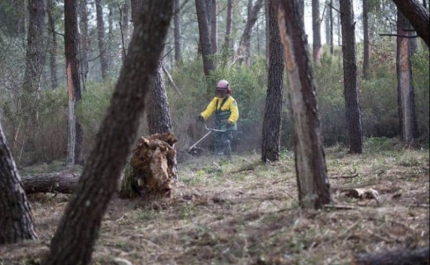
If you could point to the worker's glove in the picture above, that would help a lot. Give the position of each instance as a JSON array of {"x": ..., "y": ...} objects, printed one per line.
[
  {"x": 200, "y": 118},
  {"x": 230, "y": 125}
]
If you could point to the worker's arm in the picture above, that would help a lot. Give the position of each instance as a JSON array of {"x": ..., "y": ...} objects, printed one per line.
[{"x": 209, "y": 109}]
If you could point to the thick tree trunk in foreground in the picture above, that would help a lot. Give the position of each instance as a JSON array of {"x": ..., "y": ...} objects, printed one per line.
[
  {"x": 77, "y": 232},
  {"x": 418, "y": 256},
  {"x": 16, "y": 221},
  {"x": 311, "y": 171}
]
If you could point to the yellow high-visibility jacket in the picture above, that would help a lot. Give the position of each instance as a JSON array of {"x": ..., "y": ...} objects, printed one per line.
[{"x": 229, "y": 105}]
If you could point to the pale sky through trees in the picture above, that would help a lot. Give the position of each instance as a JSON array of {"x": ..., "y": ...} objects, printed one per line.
[{"x": 308, "y": 21}]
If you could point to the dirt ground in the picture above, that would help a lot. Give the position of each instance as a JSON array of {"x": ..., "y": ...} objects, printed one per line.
[{"x": 246, "y": 212}]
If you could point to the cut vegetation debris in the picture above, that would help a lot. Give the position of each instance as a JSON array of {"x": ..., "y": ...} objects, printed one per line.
[{"x": 245, "y": 212}]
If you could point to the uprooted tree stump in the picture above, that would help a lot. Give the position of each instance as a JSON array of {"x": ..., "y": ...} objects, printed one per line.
[{"x": 152, "y": 168}]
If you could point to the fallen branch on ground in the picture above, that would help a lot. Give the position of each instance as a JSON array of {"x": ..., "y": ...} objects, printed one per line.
[
  {"x": 405, "y": 257},
  {"x": 61, "y": 182}
]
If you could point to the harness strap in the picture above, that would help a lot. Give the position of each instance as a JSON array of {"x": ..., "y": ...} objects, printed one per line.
[{"x": 222, "y": 103}]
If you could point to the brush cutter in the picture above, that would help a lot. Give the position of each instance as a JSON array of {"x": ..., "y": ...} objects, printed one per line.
[{"x": 197, "y": 151}]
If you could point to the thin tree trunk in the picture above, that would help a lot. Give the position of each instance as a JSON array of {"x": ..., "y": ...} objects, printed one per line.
[
  {"x": 245, "y": 41},
  {"x": 302, "y": 10},
  {"x": 352, "y": 106},
  {"x": 271, "y": 142},
  {"x": 311, "y": 171},
  {"x": 101, "y": 39},
  {"x": 212, "y": 10},
  {"x": 316, "y": 32},
  {"x": 331, "y": 28},
  {"x": 83, "y": 42},
  {"x": 205, "y": 41},
  {"x": 365, "y": 40},
  {"x": 327, "y": 24},
  {"x": 73, "y": 82},
  {"x": 227, "y": 39},
  {"x": 125, "y": 11},
  {"x": 177, "y": 31},
  {"x": 53, "y": 51},
  {"x": 405, "y": 89},
  {"x": 35, "y": 59}
]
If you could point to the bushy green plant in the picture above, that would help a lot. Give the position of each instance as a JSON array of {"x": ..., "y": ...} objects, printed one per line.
[
  {"x": 328, "y": 79},
  {"x": 40, "y": 141},
  {"x": 379, "y": 107},
  {"x": 420, "y": 70},
  {"x": 91, "y": 110}
]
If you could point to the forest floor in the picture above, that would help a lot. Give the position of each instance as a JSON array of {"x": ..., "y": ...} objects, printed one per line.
[{"x": 246, "y": 212}]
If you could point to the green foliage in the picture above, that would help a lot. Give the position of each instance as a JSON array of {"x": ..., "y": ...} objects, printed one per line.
[
  {"x": 420, "y": 70},
  {"x": 328, "y": 79},
  {"x": 91, "y": 109},
  {"x": 43, "y": 141},
  {"x": 378, "y": 101},
  {"x": 378, "y": 144},
  {"x": 379, "y": 107}
]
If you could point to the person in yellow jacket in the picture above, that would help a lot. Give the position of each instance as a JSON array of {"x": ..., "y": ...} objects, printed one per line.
[{"x": 226, "y": 115}]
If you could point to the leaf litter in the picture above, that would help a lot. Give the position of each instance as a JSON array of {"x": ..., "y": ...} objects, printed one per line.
[{"x": 246, "y": 212}]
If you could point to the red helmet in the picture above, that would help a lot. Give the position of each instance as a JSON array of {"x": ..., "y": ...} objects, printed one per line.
[{"x": 223, "y": 85}]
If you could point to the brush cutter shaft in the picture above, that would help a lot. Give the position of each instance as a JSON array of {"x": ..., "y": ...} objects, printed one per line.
[
  {"x": 214, "y": 130},
  {"x": 194, "y": 145}
]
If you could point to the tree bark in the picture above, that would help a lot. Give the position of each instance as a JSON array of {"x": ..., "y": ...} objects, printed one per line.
[
  {"x": 16, "y": 221},
  {"x": 125, "y": 11},
  {"x": 177, "y": 31},
  {"x": 405, "y": 89},
  {"x": 419, "y": 256},
  {"x": 53, "y": 51},
  {"x": 75, "y": 237},
  {"x": 73, "y": 82},
  {"x": 225, "y": 49},
  {"x": 352, "y": 107},
  {"x": 83, "y": 42},
  {"x": 212, "y": 10},
  {"x": 204, "y": 37},
  {"x": 365, "y": 40},
  {"x": 101, "y": 38},
  {"x": 34, "y": 62},
  {"x": 271, "y": 142},
  {"x": 316, "y": 32},
  {"x": 50, "y": 182},
  {"x": 245, "y": 40},
  {"x": 331, "y": 27},
  {"x": 418, "y": 16},
  {"x": 311, "y": 171},
  {"x": 158, "y": 113}
]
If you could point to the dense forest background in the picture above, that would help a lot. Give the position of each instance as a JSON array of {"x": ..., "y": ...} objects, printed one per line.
[{"x": 35, "y": 121}]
